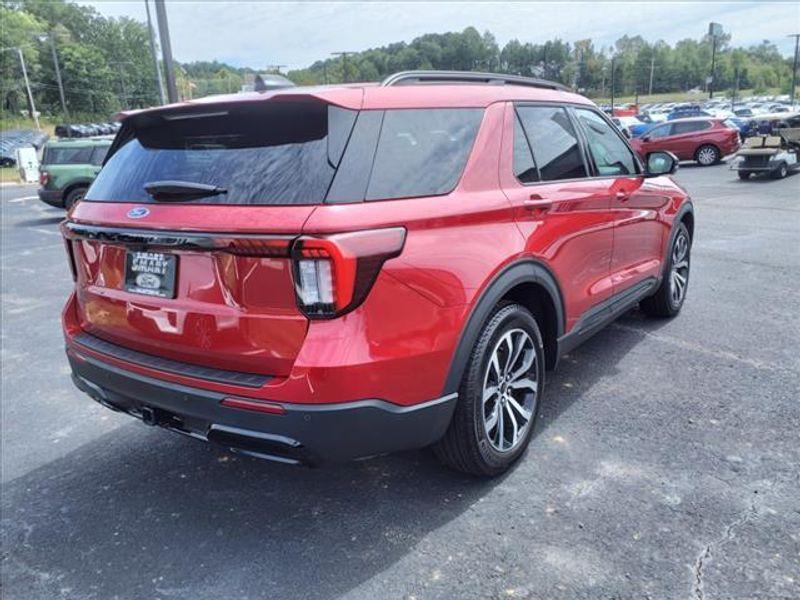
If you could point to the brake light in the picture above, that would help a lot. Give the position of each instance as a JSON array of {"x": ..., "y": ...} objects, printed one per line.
[
  {"x": 44, "y": 178},
  {"x": 334, "y": 274}
]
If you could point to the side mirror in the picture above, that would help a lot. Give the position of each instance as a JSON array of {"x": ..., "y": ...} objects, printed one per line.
[
  {"x": 646, "y": 138},
  {"x": 661, "y": 163}
]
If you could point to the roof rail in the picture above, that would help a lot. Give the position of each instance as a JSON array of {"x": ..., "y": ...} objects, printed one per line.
[{"x": 423, "y": 77}]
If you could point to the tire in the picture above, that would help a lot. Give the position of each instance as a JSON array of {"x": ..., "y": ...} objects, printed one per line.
[
  {"x": 745, "y": 175},
  {"x": 667, "y": 300},
  {"x": 707, "y": 155},
  {"x": 781, "y": 172},
  {"x": 472, "y": 444},
  {"x": 73, "y": 196}
]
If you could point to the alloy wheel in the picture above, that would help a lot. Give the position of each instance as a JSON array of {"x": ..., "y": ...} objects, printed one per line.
[
  {"x": 510, "y": 390},
  {"x": 707, "y": 156},
  {"x": 679, "y": 273}
]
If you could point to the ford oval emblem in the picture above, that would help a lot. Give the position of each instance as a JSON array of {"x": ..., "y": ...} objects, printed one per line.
[{"x": 138, "y": 212}]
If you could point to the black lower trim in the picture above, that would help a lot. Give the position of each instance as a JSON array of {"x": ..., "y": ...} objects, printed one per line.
[
  {"x": 52, "y": 197},
  {"x": 238, "y": 378},
  {"x": 605, "y": 312},
  {"x": 309, "y": 434}
]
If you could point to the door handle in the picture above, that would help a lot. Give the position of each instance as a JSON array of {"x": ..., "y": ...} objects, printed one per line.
[
  {"x": 623, "y": 196},
  {"x": 537, "y": 203}
]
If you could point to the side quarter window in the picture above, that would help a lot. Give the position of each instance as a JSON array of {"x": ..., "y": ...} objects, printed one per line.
[
  {"x": 524, "y": 168},
  {"x": 610, "y": 154}
]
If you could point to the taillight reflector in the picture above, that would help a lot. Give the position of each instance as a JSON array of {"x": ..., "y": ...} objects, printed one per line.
[{"x": 254, "y": 405}]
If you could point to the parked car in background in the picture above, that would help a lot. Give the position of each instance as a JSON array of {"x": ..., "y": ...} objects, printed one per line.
[
  {"x": 625, "y": 110},
  {"x": 705, "y": 141},
  {"x": 448, "y": 236},
  {"x": 634, "y": 125},
  {"x": 86, "y": 129},
  {"x": 684, "y": 112},
  {"x": 68, "y": 169},
  {"x": 746, "y": 127},
  {"x": 13, "y": 139}
]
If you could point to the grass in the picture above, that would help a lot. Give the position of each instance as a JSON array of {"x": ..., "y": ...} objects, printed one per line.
[{"x": 9, "y": 175}]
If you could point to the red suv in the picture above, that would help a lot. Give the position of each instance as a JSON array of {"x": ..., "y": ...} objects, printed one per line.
[
  {"x": 327, "y": 273},
  {"x": 702, "y": 140}
]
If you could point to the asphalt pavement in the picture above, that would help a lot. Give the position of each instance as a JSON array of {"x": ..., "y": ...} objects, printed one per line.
[{"x": 666, "y": 464}]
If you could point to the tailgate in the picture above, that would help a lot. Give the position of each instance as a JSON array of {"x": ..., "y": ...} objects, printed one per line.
[{"x": 232, "y": 305}]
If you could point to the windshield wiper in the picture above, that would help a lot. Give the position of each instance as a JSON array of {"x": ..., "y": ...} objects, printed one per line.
[{"x": 177, "y": 191}]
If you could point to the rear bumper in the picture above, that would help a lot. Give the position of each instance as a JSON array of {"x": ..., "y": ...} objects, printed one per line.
[
  {"x": 308, "y": 434},
  {"x": 52, "y": 197}
]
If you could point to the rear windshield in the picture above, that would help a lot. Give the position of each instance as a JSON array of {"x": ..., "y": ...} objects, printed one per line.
[
  {"x": 65, "y": 155},
  {"x": 274, "y": 156}
]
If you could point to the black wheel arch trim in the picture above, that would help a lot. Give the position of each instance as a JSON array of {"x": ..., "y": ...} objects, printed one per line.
[
  {"x": 686, "y": 208},
  {"x": 523, "y": 271}
]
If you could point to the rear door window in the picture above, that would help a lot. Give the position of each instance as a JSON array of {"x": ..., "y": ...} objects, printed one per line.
[
  {"x": 689, "y": 127},
  {"x": 556, "y": 148},
  {"x": 610, "y": 154},
  {"x": 260, "y": 153},
  {"x": 422, "y": 152}
]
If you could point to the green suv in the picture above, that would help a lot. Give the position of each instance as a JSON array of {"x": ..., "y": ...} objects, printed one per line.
[{"x": 68, "y": 169}]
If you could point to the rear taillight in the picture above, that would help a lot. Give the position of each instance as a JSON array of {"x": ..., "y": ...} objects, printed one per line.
[
  {"x": 334, "y": 274},
  {"x": 44, "y": 178}
]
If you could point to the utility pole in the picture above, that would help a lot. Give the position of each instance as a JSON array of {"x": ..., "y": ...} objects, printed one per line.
[
  {"x": 796, "y": 37},
  {"x": 31, "y": 104},
  {"x": 344, "y": 62},
  {"x": 713, "y": 65},
  {"x": 51, "y": 38},
  {"x": 166, "y": 50},
  {"x": 151, "y": 38},
  {"x": 652, "y": 68},
  {"x": 613, "y": 60},
  {"x": 714, "y": 31}
]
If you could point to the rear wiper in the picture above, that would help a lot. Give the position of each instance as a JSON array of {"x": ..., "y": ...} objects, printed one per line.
[{"x": 176, "y": 191}]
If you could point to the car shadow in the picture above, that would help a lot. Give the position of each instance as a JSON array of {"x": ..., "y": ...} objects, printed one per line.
[
  {"x": 597, "y": 358},
  {"x": 765, "y": 178},
  {"x": 54, "y": 220},
  {"x": 140, "y": 513}
]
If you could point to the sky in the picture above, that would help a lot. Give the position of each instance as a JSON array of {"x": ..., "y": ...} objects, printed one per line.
[{"x": 295, "y": 34}]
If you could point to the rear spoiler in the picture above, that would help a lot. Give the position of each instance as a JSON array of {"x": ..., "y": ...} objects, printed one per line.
[
  {"x": 351, "y": 98},
  {"x": 345, "y": 97}
]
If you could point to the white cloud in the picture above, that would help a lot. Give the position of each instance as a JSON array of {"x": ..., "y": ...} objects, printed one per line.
[{"x": 296, "y": 34}]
